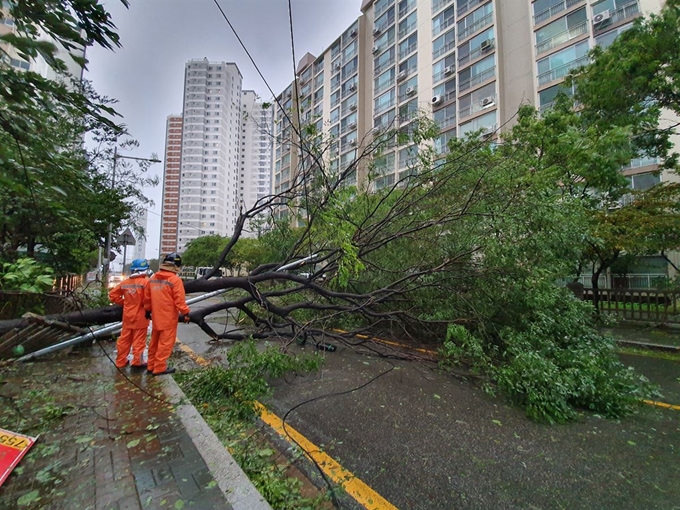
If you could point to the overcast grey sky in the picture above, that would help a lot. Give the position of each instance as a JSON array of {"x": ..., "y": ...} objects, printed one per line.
[{"x": 160, "y": 36}]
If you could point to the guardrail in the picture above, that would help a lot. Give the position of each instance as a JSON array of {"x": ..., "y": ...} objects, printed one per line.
[{"x": 642, "y": 305}]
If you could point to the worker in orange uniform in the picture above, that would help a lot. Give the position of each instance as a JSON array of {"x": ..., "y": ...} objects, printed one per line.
[
  {"x": 164, "y": 301},
  {"x": 130, "y": 295}
]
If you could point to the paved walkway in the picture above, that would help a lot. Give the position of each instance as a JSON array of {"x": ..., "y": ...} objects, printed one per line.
[{"x": 105, "y": 444}]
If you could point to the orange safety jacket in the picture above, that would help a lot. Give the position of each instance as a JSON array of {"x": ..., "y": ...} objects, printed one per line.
[
  {"x": 130, "y": 295},
  {"x": 164, "y": 297}
]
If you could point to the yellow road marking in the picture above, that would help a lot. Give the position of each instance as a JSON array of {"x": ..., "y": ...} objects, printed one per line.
[
  {"x": 389, "y": 342},
  {"x": 662, "y": 404},
  {"x": 361, "y": 492},
  {"x": 198, "y": 359}
]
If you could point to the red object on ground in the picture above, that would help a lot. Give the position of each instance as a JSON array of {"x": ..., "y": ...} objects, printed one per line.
[{"x": 13, "y": 447}]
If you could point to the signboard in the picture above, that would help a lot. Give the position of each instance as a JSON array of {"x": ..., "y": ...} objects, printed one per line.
[
  {"x": 126, "y": 239},
  {"x": 13, "y": 447}
]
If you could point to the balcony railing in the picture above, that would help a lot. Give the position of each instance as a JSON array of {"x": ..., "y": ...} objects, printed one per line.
[
  {"x": 641, "y": 162},
  {"x": 383, "y": 66},
  {"x": 562, "y": 37},
  {"x": 477, "y": 79},
  {"x": 447, "y": 122},
  {"x": 383, "y": 87},
  {"x": 465, "y": 7},
  {"x": 477, "y": 52},
  {"x": 384, "y": 106},
  {"x": 475, "y": 27},
  {"x": 437, "y": 5},
  {"x": 346, "y": 73},
  {"x": 554, "y": 9},
  {"x": 477, "y": 106},
  {"x": 442, "y": 26},
  {"x": 383, "y": 8},
  {"x": 407, "y": 29},
  {"x": 407, "y": 51},
  {"x": 625, "y": 12},
  {"x": 443, "y": 74},
  {"x": 444, "y": 49},
  {"x": 562, "y": 71}
]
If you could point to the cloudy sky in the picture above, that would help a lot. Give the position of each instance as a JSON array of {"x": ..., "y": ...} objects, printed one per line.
[{"x": 160, "y": 36}]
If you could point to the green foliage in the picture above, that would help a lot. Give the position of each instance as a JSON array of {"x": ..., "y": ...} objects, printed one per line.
[
  {"x": 226, "y": 398},
  {"x": 204, "y": 251},
  {"x": 26, "y": 275}
]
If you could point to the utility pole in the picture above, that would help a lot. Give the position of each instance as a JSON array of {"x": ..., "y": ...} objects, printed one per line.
[{"x": 107, "y": 251}]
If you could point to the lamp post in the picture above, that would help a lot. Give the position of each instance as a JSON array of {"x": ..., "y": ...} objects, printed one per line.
[{"x": 107, "y": 251}]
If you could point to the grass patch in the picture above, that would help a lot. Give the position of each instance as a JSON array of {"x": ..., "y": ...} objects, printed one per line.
[
  {"x": 226, "y": 398},
  {"x": 671, "y": 356}
]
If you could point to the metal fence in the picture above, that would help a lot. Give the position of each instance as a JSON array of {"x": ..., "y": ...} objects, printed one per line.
[{"x": 643, "y": 305}]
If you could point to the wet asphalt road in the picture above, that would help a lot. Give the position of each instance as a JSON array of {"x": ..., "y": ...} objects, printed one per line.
[{"x": 426, "y": 440}]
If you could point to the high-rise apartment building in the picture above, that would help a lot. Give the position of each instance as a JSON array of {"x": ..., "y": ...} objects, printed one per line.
[
  {"x": 469, "y": 63},
  {"x": 257, "y": 124},
  {"x": 171, "y": 175},
  {"x": 209, "y": 177}
]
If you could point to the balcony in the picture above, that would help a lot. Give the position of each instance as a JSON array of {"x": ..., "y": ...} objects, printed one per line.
[
  {"x": 641, "y": 162},
  {"x": 476, "y": 53},
  {"x": 443, "y": 26},
  {"x": 384, "y": 106},
  {"x": 551, "y": 11},
  {"x": 383, "y": 87},
  {"x": 407, "y": 29},
  {"x": 447, "y": 71},
  {"x": 443, "y": 50},
  {"x": 406, "y": 95},
  {"x": 383, "y": 8},
  {"x": 447, "y": 122},
  {"x": 620, "y": 14},
  {"x": 465, "y": 7},
  {"x": 562, "y": 71},
  {"x": 408, "y": 50},
  {"x": 477, "y": 106},
  {"x": 475, "y": 27},
  {"x": 562, "y": 37},
  {"x": 408, "y": 7},
  {"x": 477, "y": 79},
  {"x": 438, "y": 5},
  {"x": 383, "y": 66}
]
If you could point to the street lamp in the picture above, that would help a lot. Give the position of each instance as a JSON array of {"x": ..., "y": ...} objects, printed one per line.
[{"x": 107, "y": 252}]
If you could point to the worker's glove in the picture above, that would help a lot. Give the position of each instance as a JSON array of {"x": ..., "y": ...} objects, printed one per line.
[
  {"x": 147, "y": 315},
  {"x": 185, "y": 318}
]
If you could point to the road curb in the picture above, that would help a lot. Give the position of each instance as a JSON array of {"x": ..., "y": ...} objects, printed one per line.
[
  {"x": 234, "y": 483},
  {"x": 649, "y": 346}
]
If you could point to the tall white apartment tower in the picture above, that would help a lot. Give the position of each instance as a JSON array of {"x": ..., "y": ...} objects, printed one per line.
[
  {"x": 211, "y": 152},
  {"x": 257, "y": 125}
]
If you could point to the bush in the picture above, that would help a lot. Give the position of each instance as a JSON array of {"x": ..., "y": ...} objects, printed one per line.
[{"x": 26, "y": 275}]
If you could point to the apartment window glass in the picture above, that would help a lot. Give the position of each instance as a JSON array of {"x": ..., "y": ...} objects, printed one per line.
[
  {"x": 350, "y": 68},
  {"x": 445, "y": 117},
  {"x": 605, "y": 40},
  {"x": 560, "y": 28},
  {"x": 644, "y": 181},
  {"x": 335, "y": 81},
  {"x": 384, "y": 101},
  {"x": 441, "y": 142},
  {"x": 443, "y": 20},
  {"x": 408, "y": 24},
  {"x": 444, "y": 43},
  {"x": 349, "y": 104},
  {"x": 610, "y": 5},
  {"x": 559, "y": 64},
  {"x": 318, "y": 95},
  {"x": 475, "y": 47},
  {"x": 349, "y": 122},
  {"x": 335, "y": 98},
  {"x": 443, "y": 68},
  {"x": 410, "y": 65},
  {"x": 408, "y": 45},
  {"x": 475, "y": 21},
  {"x": 386, "y": 39},
  {"x": 350, "y": 50},
  {"x": 386, "y": 19},
  {"x": 547, "y": 96},
  {"x": 318, "y": 80},
  {"x": 350, "y": 85},
  {"x": 408, "y": 88},
  {"x": 335, "y": 115},
  {"x": 408, "y": 110},
  {"x": 477, "y": 73},
  {"x": 446, "y": 90},
  {"x": 405, "y": 6},
  {"x": 384, "y": 60},
  {"x": 481, "y": 99},
  {"x": 384, "y": 120},
  {"x": 384, "y": 81},
  {"x": 486, "y": 122}
]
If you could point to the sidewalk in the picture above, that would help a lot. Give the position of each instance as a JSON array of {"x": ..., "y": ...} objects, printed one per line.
[{"x": 105, "y": 444}]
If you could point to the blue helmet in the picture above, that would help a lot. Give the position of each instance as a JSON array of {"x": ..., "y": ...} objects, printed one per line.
[{"x": 139, "y": 265}]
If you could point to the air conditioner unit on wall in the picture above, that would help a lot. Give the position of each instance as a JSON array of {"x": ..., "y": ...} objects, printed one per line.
[
  {"x": 410, "y": 91},
  {"x": 353, "y": 106},
  {"x": 601, "y": 17},
  {"x": 486, "y": 45},
  {"x": 487, "y": 101},
  {"x": 353, "y": 33},
  {"x": 375, "y": 49},
  {"x": 353, "y": 87},
  {"x": 352, "y": 125},
  {"x": 436, "y": 100},
  {"x": 377, "y": 31},
  {"x": 449, "y": 70},
  {"x": 402, "y": 76}
]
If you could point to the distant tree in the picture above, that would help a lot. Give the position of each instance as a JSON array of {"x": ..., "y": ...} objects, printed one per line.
[{"x": 204, "y": 250}]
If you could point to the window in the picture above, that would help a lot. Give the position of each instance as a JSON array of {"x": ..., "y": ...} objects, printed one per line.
[
  {"x": 446, "y": 90},
  {"x": 446, "y": 117},
  {"x": 384, "y": 120},
  {"x": 479, "y": 45},
  {"x": 443, "y": 20},
  {"x": 642, "y": 182},
  {"x": 407, "y": 25},
  {"x": 605, "y": 40},
  {"x": 385, "y": 60},
  {"x": 481, "y": 99},
  {"x": 485, "y": 122},
  {"x": 410, "y": 65},
  {"x": 384, "y": 81},
  {"x": 405, "y": 7},
  {"x": 441, "y": 142},
  {"x": 408, "y": 45},
  {"x": 384, "y": 101},
  {"x": 443, "y": 44},
  {"x": 335, "y": 115},
  {"x": 408, "y": 88},
  {"x": 477, "y": 73},
  {"x": 475, "y": 21},
  {"x": 385, "y": 40},
  {"x": 444, "y": 68},
  {"x": 559, "y": 64},
  {"x": 561, "y": 30},
  {"x": 547, "y": 96},
  {"x": 335, "y": 81},
  {"x": 385, "y": 20}
]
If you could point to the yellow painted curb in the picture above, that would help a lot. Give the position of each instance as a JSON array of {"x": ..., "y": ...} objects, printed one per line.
[{"x": 662, "y": 404}]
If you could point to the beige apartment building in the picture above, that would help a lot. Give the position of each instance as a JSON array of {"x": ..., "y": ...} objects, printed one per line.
[
  {"x": 469, "y": 63},
  {"x": 171, "y": 178}
]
